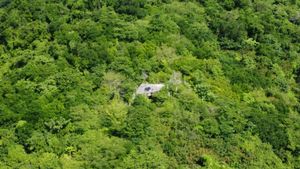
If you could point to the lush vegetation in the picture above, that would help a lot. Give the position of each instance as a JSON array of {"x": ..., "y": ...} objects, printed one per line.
[{"x": 69, "y": 69}]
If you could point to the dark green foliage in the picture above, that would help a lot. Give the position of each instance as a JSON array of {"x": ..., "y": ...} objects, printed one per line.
[
  {"x": 131, "y": 7},
  {"x": 69, "y": 71}
]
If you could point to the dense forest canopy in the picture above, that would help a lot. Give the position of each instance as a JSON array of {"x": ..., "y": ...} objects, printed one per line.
[{"x": 69, "y": 70}]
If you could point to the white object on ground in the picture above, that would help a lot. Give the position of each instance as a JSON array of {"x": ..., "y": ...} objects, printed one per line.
[{"x": 149, "y": 89}]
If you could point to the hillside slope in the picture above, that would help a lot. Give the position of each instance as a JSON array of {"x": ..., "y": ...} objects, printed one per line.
[{"x": 69, "y": 70}]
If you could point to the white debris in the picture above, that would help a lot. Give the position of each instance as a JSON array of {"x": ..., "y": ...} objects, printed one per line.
[{"x": 149, "y": 89}]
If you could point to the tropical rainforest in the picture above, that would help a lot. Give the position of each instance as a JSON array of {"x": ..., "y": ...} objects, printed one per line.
[{"x": 69, "y": 70}]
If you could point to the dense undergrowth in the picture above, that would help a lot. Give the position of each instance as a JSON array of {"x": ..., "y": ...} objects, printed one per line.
[{"x": 69, "y": 69}]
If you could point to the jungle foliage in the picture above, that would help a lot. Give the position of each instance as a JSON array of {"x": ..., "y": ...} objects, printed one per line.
[{"x": 69, "y": 69}]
